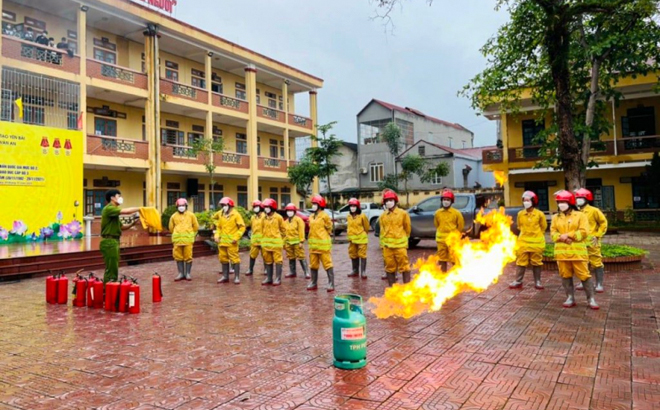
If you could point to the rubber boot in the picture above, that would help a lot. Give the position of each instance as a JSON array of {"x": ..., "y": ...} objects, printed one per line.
[
  {"x": 303, "y": 264},
  {"x": 537, "y": 277},
  {"x": 406, "y": 277},
  {"x": 278, "y": 275},
  {"x": 443, "y": 266},
  {"x": 580, "y": 286},
  {"x": 237, "y": 271},
  {"x": 251, "y": 268},
  {"x": 567, "y": 283},
  {"x": 589, "y": 290},
  {"x": 292, "y": 269},
  {"x": 363, "y": 268},
  {"x": 355, "y": 263},
  {"x": 188, "y": 270},
  {"x": 600, "y": 276},
  {"x": 391, "y": 278},
  {"x": 383, "y": 276},
  {"x": 313, "y": 285},
  {"x": 269, "y": 276},
  {"x": 331, "y": 280},
  {"x": 231, "y": 268},
  {"x": 225, "y": 273},
  {"x": 180, "y": 267},
  {"x": 520, "y": 274}
]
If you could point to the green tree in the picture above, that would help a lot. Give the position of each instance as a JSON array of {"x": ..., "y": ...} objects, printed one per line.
[
  {"x": 441, "y": 169},
  {"x": 411, "y": 165},
  {"x": 389, "y": 182},
  {"x": 207, "y": 149},
  {"x": 302, "y": 175},
  {"x": 393, "y": 137}
]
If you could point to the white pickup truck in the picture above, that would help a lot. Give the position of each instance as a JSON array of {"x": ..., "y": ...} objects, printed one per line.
[{"x": 370, "y": 209}]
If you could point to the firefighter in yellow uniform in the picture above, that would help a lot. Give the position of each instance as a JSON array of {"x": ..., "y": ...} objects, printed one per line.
[
  {"x": 358, "y": 229},
  {"x": 597, "y": 229},
  {"x": 394, "y": 234},
  {"x": 569, "y": 230},
  {"x": 230, "y": 228},
  {"x": 272, "y": 242},
  {"x": 446, "y": 220},
  {"x": 294, "y": 241},
  {"x": 183, "y": 226},
  {"x": 256, "y": 234},
  {"x": 320, "y": 244},
  {"x": 531, "y": 241}
]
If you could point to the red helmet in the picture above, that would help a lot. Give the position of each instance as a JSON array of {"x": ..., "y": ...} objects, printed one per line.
[
  {"x": 354, "y": 201},
  {"x": 584, "y": 193},
  {"x": 290, "y": 207},
  {"x": 531, "y": 195},
  {"x": 448, "y": 194},
  {"x": 227, "y": 201},
  {"x": 565, "y": 196},
  {"x": 389, "y": 194},
  {"x": 269, "y": 203},
  {"x": 256, "y": 203},
  {"x": 319, "y": 200},
  {"x": 181, "y": 202}
]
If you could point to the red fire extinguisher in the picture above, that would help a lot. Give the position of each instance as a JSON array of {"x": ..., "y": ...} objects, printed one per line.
[
  {"x": 62, "y": 289},
  {"x": 111, "y": 296},
  {"x": 51, "y": 288},
  {"x": 91, "y": 279},
  {"x": 134, "y": 297},
  {"x": 156, "y": 288},
  {"x": 123, "y": 294},
  {"x": 97, "y": 294},
  {"x": 80, "y": 285}
]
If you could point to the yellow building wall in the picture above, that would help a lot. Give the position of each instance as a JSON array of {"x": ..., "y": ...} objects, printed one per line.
[
  {"x": 128, "y": 128},
  {"x": 131, "y": 186}
]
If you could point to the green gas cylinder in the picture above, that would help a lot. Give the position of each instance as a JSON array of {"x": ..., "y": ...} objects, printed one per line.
[{"x": 349, "y": 332}]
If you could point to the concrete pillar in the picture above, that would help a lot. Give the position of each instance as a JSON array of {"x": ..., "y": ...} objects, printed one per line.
[
  {"x": 82, "y": 52},
  {"x": 152, "y": 119},
  {"x": 251, "y": 87},
  {"x": 313, "y": 113}
]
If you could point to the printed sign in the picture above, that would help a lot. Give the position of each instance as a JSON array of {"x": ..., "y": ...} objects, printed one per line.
[
  {"x": 353, "y": 333},
  {"x": 161, "y": 5}
]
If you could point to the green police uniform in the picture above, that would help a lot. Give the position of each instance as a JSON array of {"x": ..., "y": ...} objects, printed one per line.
[{"x": 110, "y": 232}]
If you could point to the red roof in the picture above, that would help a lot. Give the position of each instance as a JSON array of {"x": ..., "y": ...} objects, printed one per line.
[
  {"x": 408, "y": 110},
  {"x": 468, "y": 152}
]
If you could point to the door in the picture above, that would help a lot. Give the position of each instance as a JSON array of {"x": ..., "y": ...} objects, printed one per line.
[
  {"x": 540, "y": 188},
  {"x": 94, "y": 202}
]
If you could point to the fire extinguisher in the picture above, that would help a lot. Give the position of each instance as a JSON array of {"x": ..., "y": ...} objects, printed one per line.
[
  {"x": 156, "y": 288},
  {"x": 62, "y": 289},
  {"x": 91, "y": 279},
  {"x": 123, "y": 294},
  {"x": 97, "y": 294},
  {"x": 111, "y": 295},
  {"x": 80, "y": 285},
  {"x": 51, "y": 288},
  {"x": 134, "y": 297}
]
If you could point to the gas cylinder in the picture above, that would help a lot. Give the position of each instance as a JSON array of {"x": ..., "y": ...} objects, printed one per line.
[
  {"x": 349, "y": 332},
  {"x": 51, "y": 288},
  {"x": 134, "y": 297},
  {"x": 123, "y": 294},
  {"x": 62, "y": 289},
  {"x": 111, "y": 296},
  {"x": 156, "y": 288},
  {"x": 97, "y": 294},
  {"x": 80, "y": 285}
]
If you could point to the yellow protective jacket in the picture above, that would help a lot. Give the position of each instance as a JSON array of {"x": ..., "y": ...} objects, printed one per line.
[
  {"x": 532, "y": 226},
  {"x": 358, "y": 227},
  {"x": 229, "y": 228},
  {"x": 597, "y": 221},
  {"x": 574, "y": 224},
  {"x": 394, "y": 229},
  {"x": 256, "y": 225},
  {"x": 150, "y": 219},
  {"x": 320, "y": 227},
  {"x": 274, "y": 232},
  {"x": 184, "y": 227},
  {"x": 295, "y": 230},
  {"x": 447, "y": 220}
]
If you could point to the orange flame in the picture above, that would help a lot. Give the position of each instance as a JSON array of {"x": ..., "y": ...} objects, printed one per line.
[
  {"x": 479, "y": 264},
  {"x": 500, "y": 177}
]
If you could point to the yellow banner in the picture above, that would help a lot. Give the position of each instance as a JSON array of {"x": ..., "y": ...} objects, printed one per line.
[{"x": 41, "y": 181}]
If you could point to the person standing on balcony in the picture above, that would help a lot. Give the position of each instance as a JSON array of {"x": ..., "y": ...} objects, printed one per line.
[
  {"x": 531, "y": 241},
  {"x": 183, "y": 226},
  {"x": 320, "y": 244},
  {"x": 229, "y": 230},
  {"x": 111, "y": 228},
  {"x": 42, "y": 38},
  {"x": 272, "y": 242},
  {"x": 446, "y": 220},
  {"x": 569, "y": 230},
  {"x": 358, "y": 228},
  {"x": 597, "y": 229},
  {"x": 256, "y": 227},
  {"x": 295, "y": 240},
  {"x": 394, "y": 234}
]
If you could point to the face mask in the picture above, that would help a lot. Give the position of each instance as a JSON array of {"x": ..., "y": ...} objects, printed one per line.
[
  {"x": 267, "y": 210},
  {"x": 182, "y": 209},
  {"x": 225, "y": 208},
  {"x": 581, "y": 202},
  {"x": 315, "y": 207},
  {"x": 353, "y": 209},
  {"x": 446, "y": 204},
  {"x": 256, "y": 209},
  {"x": 563, "y": 206},
  {"x": 120, "y": 200},
  {"x": 290, "y": 214},
  {"x": 527, "y": 204},
  {"x": 389, "y": 204}
]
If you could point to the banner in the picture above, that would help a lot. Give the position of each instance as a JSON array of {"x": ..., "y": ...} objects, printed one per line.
[{"x": 41, "y": 182}]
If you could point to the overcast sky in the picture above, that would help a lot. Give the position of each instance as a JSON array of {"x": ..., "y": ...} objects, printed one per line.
[{"x": 431, "y": 54}]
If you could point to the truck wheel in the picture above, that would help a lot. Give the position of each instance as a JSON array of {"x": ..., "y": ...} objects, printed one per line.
[
  {"x": 373, "y": 223},
  {"x": 413, "y": 243}
]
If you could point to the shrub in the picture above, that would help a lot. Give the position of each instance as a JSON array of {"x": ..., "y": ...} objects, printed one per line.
[
  {"x": 244, "y": 243},
  {"x": 608, "y": 251},
  {"x": 204, "y": 219},
  {"x": 166, "y": 215},
  {"x": 247, "y": 215}
]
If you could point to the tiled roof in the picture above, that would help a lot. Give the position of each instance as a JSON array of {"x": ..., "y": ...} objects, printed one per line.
[{"x": 408, "y": 110}]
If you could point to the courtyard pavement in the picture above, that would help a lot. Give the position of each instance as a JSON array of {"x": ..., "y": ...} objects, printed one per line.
[{"x": 210, "y": 346}]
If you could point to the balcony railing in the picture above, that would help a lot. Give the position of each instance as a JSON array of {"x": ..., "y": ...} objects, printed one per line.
[
  {"x": 232, "y": 160},
  {"x": 115, "y": 73},
  {"x": 272, "y": 164},
  {"x": 638, "y": 145},
  {"x": 300, "y": 121},
  {"x": 270, "y": 113},
  {"x": 29, "y": 51},
  {"x": 117, "y": 147},
  {"x": 188, "y": 92},
  {"x": 180, "y": 153},
  {"x": 492, "y": 156},
  {"x": 220, "y": 100}
]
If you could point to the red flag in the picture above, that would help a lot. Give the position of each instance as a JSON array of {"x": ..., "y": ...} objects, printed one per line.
[{"x": 80, "y": 122}]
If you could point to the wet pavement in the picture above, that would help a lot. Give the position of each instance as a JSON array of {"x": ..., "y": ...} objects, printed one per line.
[{"x": 209, "y": 346}]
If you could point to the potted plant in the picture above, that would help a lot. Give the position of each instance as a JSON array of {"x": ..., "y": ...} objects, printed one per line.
[{"x": 204, "y": 220}]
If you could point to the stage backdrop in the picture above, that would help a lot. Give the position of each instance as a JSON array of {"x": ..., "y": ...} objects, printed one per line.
[{"x": 41, "y": 178}]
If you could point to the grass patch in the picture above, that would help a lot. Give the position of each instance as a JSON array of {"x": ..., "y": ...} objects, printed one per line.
[{"x": 608, "y": 251}]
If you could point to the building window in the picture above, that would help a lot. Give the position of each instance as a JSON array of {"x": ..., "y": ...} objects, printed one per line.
[
  {"x": 644, "y": 194},
  {"x": 273, "y": 148},
  {"x": 275, "y": 196},
  {"x": 72, "y": 121},
  {"x": 640, "y": 122},
  {"x": 194, "y": 137},
  {"x": 530, "y": 129},
  {"x": 171, "y": 70},
  {"x": 7, "y": 106},
  {"x": 242, "y": 197},
  {"x": 197, "y": 78},
  {"x": 105, "y": 56},
  {"x": 376, "y": 172},
  {"x": 216, "y": 132},
  {"x": 282, "y": 150},
  {"x": 464, "y": 144},
  {"x": 370, "y": 131},
  {"x": 241, "y": 143},
  {"x": 216, "y": 196},
  {"x": 240, "y": 91},
  {"x": 258, "y": 146},
  {"x": 258, "y": 96},
  {"x": 286, "y": 195},
  {"x": 437, "y": 179},
  {"x": 199, "y": 202},
  {"x": 94, "y": 200},
  {"x": 172, "y": 137},
  {"x": 33, "y": 115},
  {"x": 172, "y": 196},
  {"x": 450, "y": 141},
  {"x": 421, "y": 150},
  {"x": 216, "y": 83},
  {"x": 540, "y": 188},
  {"x": 104, "y": 126}
]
